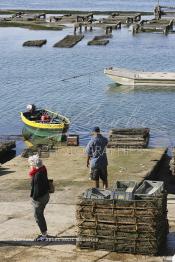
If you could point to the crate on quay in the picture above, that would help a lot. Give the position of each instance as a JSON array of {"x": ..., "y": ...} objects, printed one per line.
[
  {"x": 128, "y": 138},
  {"x": 73, "y": 140},
  {"x": 136, "y": 226}
]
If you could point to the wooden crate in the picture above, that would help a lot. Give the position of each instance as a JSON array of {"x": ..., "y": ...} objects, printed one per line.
[
  {"x": 135, "y": 247},
  {"x": 88, "y": 211},
  {"x": 73, "y": 140},
  {"x": 135, "y": 226},
  {"x": 113, "y": 233},
  {"x": 119, "y": 227},
  {"x": 128, "y": 138}
]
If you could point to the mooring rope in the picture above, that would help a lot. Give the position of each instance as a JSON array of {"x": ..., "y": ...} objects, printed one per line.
[{"x": 77, "y": 76}]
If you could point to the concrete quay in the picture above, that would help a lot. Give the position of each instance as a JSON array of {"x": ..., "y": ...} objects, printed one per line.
[{"x": 67, "y": 166}]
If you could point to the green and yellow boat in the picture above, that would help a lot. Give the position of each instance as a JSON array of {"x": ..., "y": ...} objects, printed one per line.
[{"x": 44, "y": 124}]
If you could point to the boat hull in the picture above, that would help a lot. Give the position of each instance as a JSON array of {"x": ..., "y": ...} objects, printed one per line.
[
  {"x": 39, "y": 135},
  {"x": 121, "y": 80},
  {"x": 136, "y": 78},
  {"x": 39, "y": 131}
]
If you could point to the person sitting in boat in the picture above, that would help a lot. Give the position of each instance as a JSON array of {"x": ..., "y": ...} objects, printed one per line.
[
  {"x": 31, "y": 109},
  {"x": 45, "y": 117}
]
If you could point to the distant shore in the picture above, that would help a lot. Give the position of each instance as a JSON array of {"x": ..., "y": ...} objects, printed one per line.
[{"x": 12, "y": 11}]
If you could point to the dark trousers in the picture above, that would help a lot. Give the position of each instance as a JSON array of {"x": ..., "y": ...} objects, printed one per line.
[
  {"x": 39, "y": 207},
  {"x": 97, "y": 173}
]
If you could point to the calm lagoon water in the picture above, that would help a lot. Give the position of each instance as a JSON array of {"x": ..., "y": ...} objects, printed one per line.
[{"x": 34, "y": 75}]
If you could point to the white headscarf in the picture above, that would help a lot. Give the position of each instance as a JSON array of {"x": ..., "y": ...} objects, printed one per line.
[
  {"x": 35, "y": 161},
  {"x": 29, "y": 107}
]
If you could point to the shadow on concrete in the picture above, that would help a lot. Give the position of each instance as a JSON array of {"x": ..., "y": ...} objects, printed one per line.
[
  {"x": 8, "y": 156},
  {"x": 51, "y": 240},
  {"x": 169, "y": 248},
  {"x": 162, "y": 173},
  {"x": 5, "y": 171}
]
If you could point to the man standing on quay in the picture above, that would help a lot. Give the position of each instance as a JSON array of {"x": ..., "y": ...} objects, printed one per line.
[{"x": 97, "y": 158}]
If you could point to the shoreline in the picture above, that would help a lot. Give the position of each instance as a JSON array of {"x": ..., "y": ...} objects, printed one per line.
[{"x": 50, "y": 11}]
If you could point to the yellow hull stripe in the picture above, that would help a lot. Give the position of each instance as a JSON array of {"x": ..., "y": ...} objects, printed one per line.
[{"x": 41, "y": 125}]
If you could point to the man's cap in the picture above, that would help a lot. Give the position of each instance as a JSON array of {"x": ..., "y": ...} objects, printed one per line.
[{"x": 96, "y": 129}]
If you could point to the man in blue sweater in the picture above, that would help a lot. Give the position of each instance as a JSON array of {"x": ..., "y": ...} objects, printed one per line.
[{"x": 97, "y": 158}]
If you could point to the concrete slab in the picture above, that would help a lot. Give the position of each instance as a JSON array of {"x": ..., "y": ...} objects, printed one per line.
[
  {"x": 129, "y": 258},
  {"x": 18, "y": 229},
  {"x": 24, "y": 225},
  {"x": 7, "y": 252},
  {"x": 67, "y": 167},
  {"x": 44, "y": 255},
  {"x": 72, "y": 249}
]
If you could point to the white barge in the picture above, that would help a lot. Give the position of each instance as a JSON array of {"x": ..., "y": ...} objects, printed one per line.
[{"x": 140, "y": 78}]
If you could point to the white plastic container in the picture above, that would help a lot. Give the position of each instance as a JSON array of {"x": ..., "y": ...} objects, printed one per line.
[{"x": 149, "y": 188}]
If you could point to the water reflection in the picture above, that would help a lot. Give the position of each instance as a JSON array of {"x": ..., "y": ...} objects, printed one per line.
[{"x": 115, "y": 88}]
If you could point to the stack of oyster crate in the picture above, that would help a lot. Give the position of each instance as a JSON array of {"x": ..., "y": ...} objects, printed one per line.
[
  {"x": 129, "y": 138},
  {"x": 126, "y": 219}
]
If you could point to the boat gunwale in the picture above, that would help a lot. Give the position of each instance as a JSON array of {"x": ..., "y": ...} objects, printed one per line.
[
  {"x": 46, "y": 126},
  {"x": 131, "y": 74}
]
